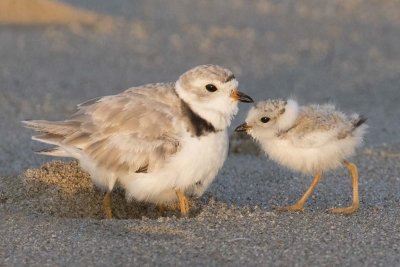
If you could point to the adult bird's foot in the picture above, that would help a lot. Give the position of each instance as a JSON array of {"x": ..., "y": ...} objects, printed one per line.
[
  {"x": 183, "y": 202},
  {"x": 107, "y": 205}
]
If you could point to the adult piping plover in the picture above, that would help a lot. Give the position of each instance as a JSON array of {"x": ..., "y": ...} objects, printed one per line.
[
  {"x": 310, "y": 139},
  {"x": 159, "y": 141}
]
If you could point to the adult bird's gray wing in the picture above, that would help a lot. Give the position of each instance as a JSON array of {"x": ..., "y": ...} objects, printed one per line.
[{"x": 135, "y": 131}]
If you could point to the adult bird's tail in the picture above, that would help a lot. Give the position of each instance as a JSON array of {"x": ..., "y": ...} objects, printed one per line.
[{"x": 52, "y": 132}]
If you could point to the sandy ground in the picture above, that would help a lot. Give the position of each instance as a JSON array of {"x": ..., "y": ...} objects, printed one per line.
[
  {"x": 344, "y": 52},
  {"x": 45, "y": 12}
]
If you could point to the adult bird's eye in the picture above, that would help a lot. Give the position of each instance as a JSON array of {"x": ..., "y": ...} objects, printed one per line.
[
  {"x": 264, "y": 119},
  {"x": 211, "y": 87}
]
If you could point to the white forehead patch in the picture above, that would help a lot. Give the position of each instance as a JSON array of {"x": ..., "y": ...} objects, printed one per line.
[
  {"x": 253, "y": 113},
  {"x": 232, "y": 83}
]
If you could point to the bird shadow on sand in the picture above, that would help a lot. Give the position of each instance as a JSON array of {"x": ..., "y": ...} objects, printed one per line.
[{"x": 63, "y": 189}]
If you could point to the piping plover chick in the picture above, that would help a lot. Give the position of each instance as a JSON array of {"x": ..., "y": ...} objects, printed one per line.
[
  {"x": 310, "y": 139},
  {"x": 160, "y": 142}
]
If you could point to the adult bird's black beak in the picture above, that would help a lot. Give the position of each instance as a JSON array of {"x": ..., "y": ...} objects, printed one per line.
[
  {"x": 237, "y": 95},
  {"x": 243, "y": 127}
]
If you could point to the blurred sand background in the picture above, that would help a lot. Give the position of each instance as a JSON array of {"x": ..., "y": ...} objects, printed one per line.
[{"x": 55, "y": 55}]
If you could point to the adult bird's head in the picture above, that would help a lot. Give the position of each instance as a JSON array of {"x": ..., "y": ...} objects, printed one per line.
[{"x": 212, "y": 93}]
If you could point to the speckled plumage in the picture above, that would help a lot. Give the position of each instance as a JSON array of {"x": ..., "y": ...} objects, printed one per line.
[
  {"x": 311, "y": 139},
  {"x": 305, "y": 138},
  {"x": 321, "y": 118}
]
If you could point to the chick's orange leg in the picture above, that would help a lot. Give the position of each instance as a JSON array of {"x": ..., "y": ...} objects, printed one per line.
[
  {"x": 352, "y": 168},
  {"x": 107, "y": 205},
  {"x": 299, "y": 206},
  {"x": 183, "y": 202}
]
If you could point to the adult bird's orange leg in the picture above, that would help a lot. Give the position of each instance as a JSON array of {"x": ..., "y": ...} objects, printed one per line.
[
  {"x": 183, "y": 202},
  {"x": 352, "y": 168},
  {"x": 299, "y": 206},
  {"x": 107, "y": 205}
]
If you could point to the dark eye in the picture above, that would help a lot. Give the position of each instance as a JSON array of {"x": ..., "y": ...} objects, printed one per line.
[
  {"x": 264, "y": 119},
  {"x": 211, "y": 87}
]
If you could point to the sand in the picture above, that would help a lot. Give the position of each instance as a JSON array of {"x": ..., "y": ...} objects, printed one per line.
[
  {"x": 30, "y": 13},
  {"x": 344, "y": 52},
  {"x": 63, "y": 189}
]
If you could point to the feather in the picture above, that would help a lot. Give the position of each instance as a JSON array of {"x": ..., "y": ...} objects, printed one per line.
[{"x": 135, "y": 128}]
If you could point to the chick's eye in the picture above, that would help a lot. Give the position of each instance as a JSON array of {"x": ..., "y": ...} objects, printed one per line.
[
  {"x": 264, "y": 119},
  {"x": 211, "y": 88}
]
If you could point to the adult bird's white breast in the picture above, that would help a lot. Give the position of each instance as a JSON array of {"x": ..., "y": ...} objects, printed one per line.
[{"x": 192, "y": 169}]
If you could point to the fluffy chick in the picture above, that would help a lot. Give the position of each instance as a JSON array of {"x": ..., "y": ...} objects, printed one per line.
[{"x": 310, "y": 139}]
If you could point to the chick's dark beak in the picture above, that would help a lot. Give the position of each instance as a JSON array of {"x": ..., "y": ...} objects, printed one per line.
[
  {"x": 237, "y": 95},
  {"x": 243, "y": 127}
]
